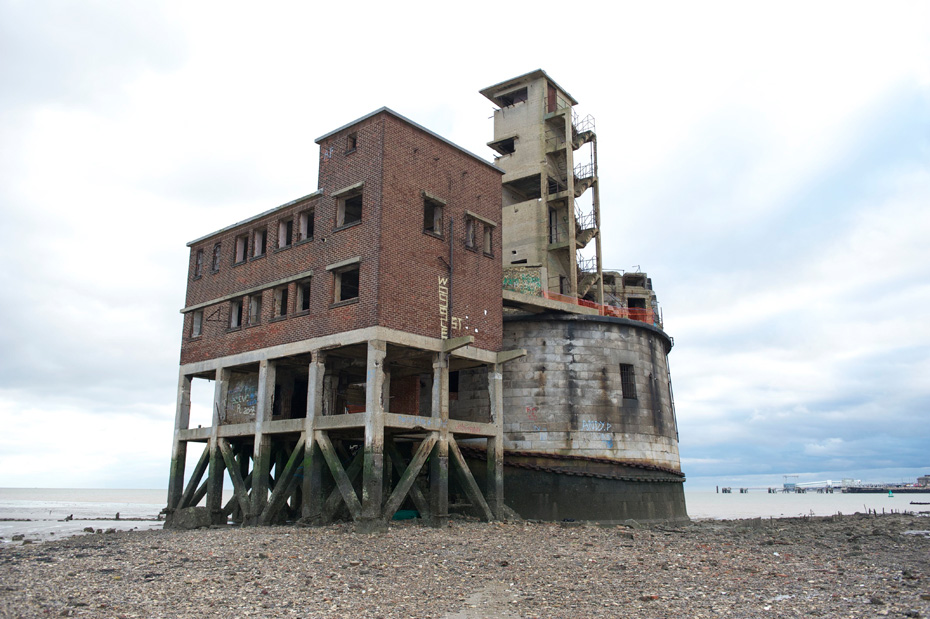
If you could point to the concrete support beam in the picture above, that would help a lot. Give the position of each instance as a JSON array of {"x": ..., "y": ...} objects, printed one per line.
[
  {"x": 373, "y": 466},
  {"x": 261, "y": 456},
  {"x": 217, "y": 468},
  {"x": 439, "y": 462},
  {"x": 182, "y": 420},
  {"x": 312, "y": 488},
  {"x": 495, "y": 451}
]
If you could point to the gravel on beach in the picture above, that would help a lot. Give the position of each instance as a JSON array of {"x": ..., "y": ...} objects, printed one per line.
[{"x": 852, "y": 566}]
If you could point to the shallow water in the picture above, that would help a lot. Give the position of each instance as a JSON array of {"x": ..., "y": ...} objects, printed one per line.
[{"x": 759, "y": 503}]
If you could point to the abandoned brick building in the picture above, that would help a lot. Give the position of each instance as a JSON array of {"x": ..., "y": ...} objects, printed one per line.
[{"x": 363, "y": 348}]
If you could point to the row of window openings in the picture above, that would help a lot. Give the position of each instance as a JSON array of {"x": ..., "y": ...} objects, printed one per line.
[
  {"x": 346, "y": 289},
  {"x": 433, "y": 224},
  {"x": 260, "y": 242}
]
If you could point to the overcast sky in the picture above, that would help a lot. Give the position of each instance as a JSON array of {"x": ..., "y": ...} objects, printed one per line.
[{"x": 768, "y": 164}]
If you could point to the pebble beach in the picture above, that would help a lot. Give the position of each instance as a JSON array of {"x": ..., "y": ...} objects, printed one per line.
[{"x": 841, "y": 566}]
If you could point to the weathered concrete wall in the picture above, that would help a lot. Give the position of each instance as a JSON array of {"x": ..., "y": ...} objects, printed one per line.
[{"x": 565, "y": 396}]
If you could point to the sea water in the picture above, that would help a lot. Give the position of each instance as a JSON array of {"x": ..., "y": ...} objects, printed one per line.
[{"x": 39, "y": 513}]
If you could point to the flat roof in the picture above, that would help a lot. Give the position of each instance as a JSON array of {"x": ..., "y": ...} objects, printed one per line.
[
  {"x": 315, "y": 194},
  {"x": 388, "y": 110},
  {"x": 526, "y": 77}
]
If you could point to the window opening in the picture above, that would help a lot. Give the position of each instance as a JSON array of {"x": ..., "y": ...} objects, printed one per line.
[
  {"x": 303, "y": 296},
  {"x": 627, "y": 381},
  {"x": 512, "y": 98},
  {"x": 506, "y": 147},
  {"x": 255, "y": 309},
  {"x": 242, "y": 248},
  {"x": 432, "y": 216},
  {"x": 305, "y": 226},
  {"x": 470, "y": 225},
  {"x": 488, "y": 240},
  {"x": 258, "y": 242},
  {"x": 350, "y": 210},
  {"x": 553, "y": 226},
  {"x": 285, "y": 233},
  {"x": 198, "y": 263},
  {"x": 235, "y": 314},
  {"x": 197, "y": 323},
  {"x": 351, "y": 142},
  {"x": 280, "y": 301},
  {"x": 216, "y": 258},
  {"x": 346, "y": 284},
  {"x": 454, "y": 385}
]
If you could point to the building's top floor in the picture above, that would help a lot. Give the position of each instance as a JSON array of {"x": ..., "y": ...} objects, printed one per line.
[
  {"x": 517, "y": 90},
  {"x": 397, "y": 206}
]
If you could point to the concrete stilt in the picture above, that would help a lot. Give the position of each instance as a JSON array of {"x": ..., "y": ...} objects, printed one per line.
[
  {"x": 495, "y": 473},
  {"x": 217, "y": 466},
  {"x": 312, "y": 484},
  {"x": 439, "y": 461},
  {"x": 178, "y": 447},
  {"x": 261, "y": 457},
  {"x": 373, "y": 465}
]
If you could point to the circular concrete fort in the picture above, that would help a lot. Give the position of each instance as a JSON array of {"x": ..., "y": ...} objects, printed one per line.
[{"x": 590, "y": 430}]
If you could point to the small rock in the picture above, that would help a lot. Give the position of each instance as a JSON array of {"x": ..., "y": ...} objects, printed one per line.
[
  {"x": 876, "y": 600},
  {"x": 88, "y": 529},
  {"x": 18, "y": 538}
]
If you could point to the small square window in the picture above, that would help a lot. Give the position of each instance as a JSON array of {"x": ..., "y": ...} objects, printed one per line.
[
  {"x": 216, "y": 258},
  {"x": 627, "y": 381},
  {"x": 432, "y": 216},
  {"x": 197, "y": 323},
  {"x": 305, "y": 226},
  {"x": 488, "y": 240},
  {"x": 346, "y": 284},
  {"x": 235, "y": 314},
  {"x": 351, "y": 142},
  {"x": 259, "y": 237},
  {"x": 350, "y": 210},
  {"x": 198, "y": 263},
  {"x": 255, "y": 309},
  {"x": 280, "y": 301},
  {"x": 470, "y": 225},
  {"x": 303, "y": 296},
  {"x": 285, "y": 233},
  {"x": 242, "y": 248}
]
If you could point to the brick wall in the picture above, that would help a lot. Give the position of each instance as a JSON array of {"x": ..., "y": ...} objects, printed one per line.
[{"x": 400, "y": 265}]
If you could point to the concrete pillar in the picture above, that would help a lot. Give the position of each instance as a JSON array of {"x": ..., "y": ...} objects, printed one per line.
[
  {"x": 495, "y": 476},
  {"x": 182, "y": 419},
  {"x": 261, "y": 456},
  {"x": 373, "y": 466},
  {"x": 386, "y": 394},
  {"x": 217, "y": 471},
  {"x": 312, "y": 489},
  {"x": 439, "y": 460}
]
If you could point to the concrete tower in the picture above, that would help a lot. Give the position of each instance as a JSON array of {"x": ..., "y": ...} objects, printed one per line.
[{"x": 549, "y": 156}]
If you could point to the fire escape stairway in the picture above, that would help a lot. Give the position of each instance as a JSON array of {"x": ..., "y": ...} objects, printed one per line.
[
  {"x": 582, "y": 184},
  {"x": 583, "y": 236},
  {"x": 580, "y": 138},
  {"x": 586, "y": 279}
]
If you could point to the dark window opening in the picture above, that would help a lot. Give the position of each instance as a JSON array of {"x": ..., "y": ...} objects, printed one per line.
[
  {"x": 351, "y": 142},
  {"x": 346, "y": 284},
  {"x": 488, "y": 240},
  {"x": 258, "y": 242},
  {"x": 520, "y": 261},
  {"x": 255, "y": 309},
  {"x": 512, "y": 98},
  {"x": 563, "y": 284},
  {"x": 235, "y": 314},
  {"x": 432, "y": 216},
  {"x": 505, "y": 147},
  {"x": 470, "y": 225},
  {"x": 216, "y": 258},
  {"x": 637, "y": 303},
  {"x": 627, "y": 381},
  {"x": 553, "y": 226},
  {"x": 197, "y": 323},
  {"x": 303, "y": 296},
  {"x": 454, "y": 385},
  {"x": 242, "y": 248},
  {"x": 285, "y": 233},
  {"x": 280, "y": 301},
  {"x": 609, "y": 280},
  {"x": 350, "y": 210},
  {"x": 198, "y": 263},
  {"x": 305, "y": 226}
]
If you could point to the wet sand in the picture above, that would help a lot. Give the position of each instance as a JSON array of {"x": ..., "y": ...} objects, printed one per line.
[{"x": 853, "y": 566}]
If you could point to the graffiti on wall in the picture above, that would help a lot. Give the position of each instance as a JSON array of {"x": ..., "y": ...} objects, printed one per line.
[
  {"x": 242, "y": 398},
  {"x": 526, "y": 280},
  {"x": 446, "y": 322}
]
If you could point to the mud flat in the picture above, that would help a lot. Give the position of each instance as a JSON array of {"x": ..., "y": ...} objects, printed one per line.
[{"x": 853, "y": 566}]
